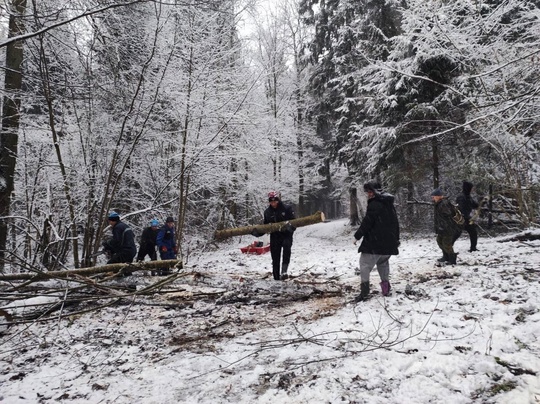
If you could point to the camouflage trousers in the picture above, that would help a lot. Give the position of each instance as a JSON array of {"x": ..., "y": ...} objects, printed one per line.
[{"x": 446, "y": 242}]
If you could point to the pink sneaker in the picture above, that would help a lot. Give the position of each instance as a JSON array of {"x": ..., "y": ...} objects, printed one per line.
[{"x": 385, "y": 287}]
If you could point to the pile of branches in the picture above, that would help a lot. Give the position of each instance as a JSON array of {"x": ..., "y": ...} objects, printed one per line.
[
  {"x": 47, "y": 296},
  {"x": 53, "y": 296}
]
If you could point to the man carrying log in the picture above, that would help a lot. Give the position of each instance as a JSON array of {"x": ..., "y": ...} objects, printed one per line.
[
  {"x": 282, "y": 239},
  {"x": 317, "y": 217}
]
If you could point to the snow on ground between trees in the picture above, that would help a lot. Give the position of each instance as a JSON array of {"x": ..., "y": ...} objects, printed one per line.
[{"x": 224, "y": 331}]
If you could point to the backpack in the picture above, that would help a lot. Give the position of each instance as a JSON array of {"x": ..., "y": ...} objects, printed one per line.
[{"x": 457, "y": 216}]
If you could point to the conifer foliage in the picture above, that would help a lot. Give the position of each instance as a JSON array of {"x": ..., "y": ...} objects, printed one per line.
[{"x": 426, "y": 93}]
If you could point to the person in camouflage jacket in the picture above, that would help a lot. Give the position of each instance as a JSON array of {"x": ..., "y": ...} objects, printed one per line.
[{"x": 446, "y": 228}]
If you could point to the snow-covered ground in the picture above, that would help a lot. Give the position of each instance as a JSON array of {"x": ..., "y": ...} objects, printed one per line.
[{"x": 224, "y": 332}]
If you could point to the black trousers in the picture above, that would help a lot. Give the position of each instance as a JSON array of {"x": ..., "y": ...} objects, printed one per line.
[
  {"x": 122, "y": 257},
  {"x": 473, "y": 234},
  {"x": 144, "y": 251},
  {"x": 276, "y": 246}
]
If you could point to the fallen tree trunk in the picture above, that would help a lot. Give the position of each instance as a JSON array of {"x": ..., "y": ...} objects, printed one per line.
[
  {"x": 147, "y": 265},
  {"x": 526, "y": 236},
  {"x": 270, "y": 227}
]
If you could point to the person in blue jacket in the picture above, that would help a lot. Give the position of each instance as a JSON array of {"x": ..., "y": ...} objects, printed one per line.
[{"x": 166, "y": 242}]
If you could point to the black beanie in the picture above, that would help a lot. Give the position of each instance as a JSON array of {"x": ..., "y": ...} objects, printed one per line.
[
  {"x": 373, "y": 186},
  {"x": 467, "y": 187}
]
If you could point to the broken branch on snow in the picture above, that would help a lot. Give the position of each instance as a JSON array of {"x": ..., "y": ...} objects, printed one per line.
[{"x": 146, "y": 265}]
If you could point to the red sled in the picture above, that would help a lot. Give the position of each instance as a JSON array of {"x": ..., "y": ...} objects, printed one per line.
[{"x": 254, "y": 249}]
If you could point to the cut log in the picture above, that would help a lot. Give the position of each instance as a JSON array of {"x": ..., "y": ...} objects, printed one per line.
[
  {"x": 525, "y": 236},
  {"x": 134, "y": 266},
  {"x": 270, "y": 227}
]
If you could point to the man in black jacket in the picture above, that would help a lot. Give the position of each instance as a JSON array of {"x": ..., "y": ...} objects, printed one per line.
[
  {"x": 148, "y": 242},
  {"x": 122, "y": 247},
  {"x": 380, "y": 232},
  {"x": 280, "y": 240},
  {"x": 466, "y": 205}
]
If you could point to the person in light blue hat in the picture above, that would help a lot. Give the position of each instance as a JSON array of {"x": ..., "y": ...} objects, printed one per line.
[{"x": 147, "y": 244}]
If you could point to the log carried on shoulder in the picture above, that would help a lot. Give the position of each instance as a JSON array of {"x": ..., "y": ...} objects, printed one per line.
[
  {"x": 270, "y": 227},
  {"x": 93, "y": 270}
]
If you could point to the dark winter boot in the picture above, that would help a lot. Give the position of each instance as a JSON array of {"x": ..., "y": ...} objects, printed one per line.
[
  {"x": 385, "y": 288},
  {"x": 364, "y": 292},
  {"x": 452, "y": 259},
  {"x": 444, "y": 257},
  {"x": 284, "y": 274},
  {"x": 164, "y": 272},
  {"x": 474, "y": 239}
]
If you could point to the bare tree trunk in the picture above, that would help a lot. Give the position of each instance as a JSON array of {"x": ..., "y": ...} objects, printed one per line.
[
  {"x": 490, "y": 207},
  {"x": 10, "y": 119},
  {"x": 435, "y": 161},
  {"x": 300, "y": 145},
  {"x": 269, "y": 228},
  {"x": 354, "y": 217},
  {"x": 184, "y": 177},
  {"x": 410, "y": 208},
  {"x": 46, "y": 81}
]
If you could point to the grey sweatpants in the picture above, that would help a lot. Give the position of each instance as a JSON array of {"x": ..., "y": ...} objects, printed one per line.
[{"x": 368, "y": 261}]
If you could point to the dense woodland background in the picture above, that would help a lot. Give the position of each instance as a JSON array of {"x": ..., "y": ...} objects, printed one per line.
[{"x": 197, "y": 108}]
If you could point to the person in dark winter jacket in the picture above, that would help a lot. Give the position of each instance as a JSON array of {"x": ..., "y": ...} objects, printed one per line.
[
  {"x": 467, "y": 205},
  {"x": 280, "y": 241},
  {"x": 122, "y": 246},
  {"x": 166, "y": 243},
  {"x": 446, "y": 228},
  {"x": 148, "y": 242},
  {"x": 379, "y": 232}
]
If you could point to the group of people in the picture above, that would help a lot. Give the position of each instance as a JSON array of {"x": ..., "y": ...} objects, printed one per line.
[
  {"x": 379, "y": 231},
  {"x": 121, "y": 247},
  {"x": 451, "y": 220}
]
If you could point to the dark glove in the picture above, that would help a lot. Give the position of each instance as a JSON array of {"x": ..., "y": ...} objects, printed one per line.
[
  {"x": 163, "y": 249},
  {"x": 255, "y": 233},
  {"x": 288, "y": 228},
  {"x": 175, "y": 249}
]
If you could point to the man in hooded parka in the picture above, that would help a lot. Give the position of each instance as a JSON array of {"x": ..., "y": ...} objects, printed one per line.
[{"x": 380, "y": 233}]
